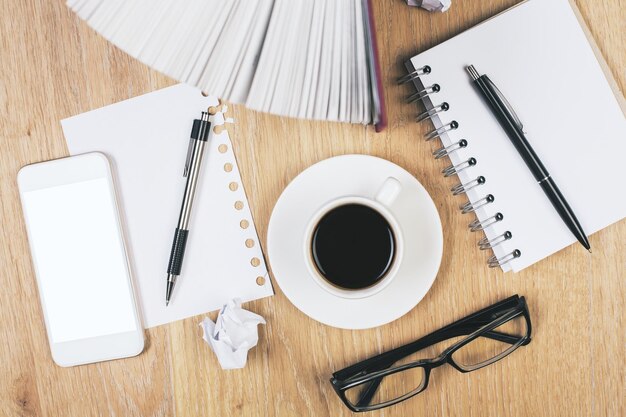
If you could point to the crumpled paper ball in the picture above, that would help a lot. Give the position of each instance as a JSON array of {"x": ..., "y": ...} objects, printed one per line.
[
  {"x": 232, "y": 335},
  {"x": 431, "y": 5}
]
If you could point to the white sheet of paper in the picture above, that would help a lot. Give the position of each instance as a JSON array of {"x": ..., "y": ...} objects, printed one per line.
[
  {"x": 322, "y": 90},
  {"x": 311, "y": 74},
  {"x": 146, "y": 140},
  {"x": 243, "y": 77},
  {"x": 539, "y": 57}
]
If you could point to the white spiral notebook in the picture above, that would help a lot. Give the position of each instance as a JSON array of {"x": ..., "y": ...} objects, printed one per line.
[
  {"x": 538, "y": 54},
  {"x": 146, "y": 141}
]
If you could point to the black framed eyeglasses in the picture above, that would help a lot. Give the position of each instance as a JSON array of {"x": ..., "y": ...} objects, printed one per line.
[{"x": 477, "y": 340}]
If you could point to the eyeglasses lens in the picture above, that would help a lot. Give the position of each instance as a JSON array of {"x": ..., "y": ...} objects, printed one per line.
[
  {"x": 492, "y": 346},
  {"x": 389, "y": 388}
]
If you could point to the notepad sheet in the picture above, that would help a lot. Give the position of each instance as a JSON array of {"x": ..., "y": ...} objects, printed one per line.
[
  {"x": 540, "y": 58},
  {"x": 146, "y": 140}
]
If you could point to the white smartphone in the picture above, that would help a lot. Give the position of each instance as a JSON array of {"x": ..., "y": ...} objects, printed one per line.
[{"x": 80, "y": 260}]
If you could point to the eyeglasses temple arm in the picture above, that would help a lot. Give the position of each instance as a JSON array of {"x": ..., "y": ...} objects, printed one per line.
[{"x": 367, "y": 393}]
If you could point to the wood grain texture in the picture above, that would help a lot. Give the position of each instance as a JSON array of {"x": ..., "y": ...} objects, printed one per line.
[{"x": 53, "y": 66}]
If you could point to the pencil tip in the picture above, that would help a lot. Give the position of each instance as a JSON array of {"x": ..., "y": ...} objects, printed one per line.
[
  {"x": 589, "y": 250},
  {"x": 168, "y": 292}
]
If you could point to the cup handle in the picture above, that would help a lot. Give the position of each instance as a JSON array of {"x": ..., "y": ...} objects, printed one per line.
[{"x": 388, "y": 192}]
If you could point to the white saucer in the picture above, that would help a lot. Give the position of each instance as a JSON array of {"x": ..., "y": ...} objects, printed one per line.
[{"x": 343, "y": 176}]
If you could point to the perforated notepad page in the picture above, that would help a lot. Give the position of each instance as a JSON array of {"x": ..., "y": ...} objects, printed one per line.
[
  {"x": 146, "y": 141},
  {"x": 538, "y": 55}
]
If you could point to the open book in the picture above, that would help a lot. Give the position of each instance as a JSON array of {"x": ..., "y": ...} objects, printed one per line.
[{"x": 297, "y": 58}]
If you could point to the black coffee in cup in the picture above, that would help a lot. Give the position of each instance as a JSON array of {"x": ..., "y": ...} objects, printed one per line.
[{"x": 353, "y": 246}]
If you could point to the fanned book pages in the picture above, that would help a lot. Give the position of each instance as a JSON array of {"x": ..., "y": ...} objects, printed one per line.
[
  {"x": 297, "y": 58},
  {"x": 146, "y": 140},
  {"x": 538, "y": 54}
]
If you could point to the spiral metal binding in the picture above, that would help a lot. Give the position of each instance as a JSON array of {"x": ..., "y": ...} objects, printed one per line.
[
  {"x": 470, "y": 207},
  {"x": 415, "y": 74},
  {"x": 485, "y": 243},
  {"x": 477, "y": 225},
  {"x": 455, "y": 169},
  {"x": 430, "y": 113},
  {"x": 463, "y": 188},
  {"x": 435, "y": 88},
  {"x": 425, "y": 94},
  {"x": 495, "y": 262},
  {"x": 434, "y": 134},
  {"x": 445, "y": 151}
]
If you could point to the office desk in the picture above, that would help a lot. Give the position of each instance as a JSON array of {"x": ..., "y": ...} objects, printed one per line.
[{"x": 53, "y": 66}]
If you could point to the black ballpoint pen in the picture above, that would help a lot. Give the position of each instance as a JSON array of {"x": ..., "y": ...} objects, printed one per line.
[
  {"x": 195, "y": 152},
  {"x": 511, "y": 124}
]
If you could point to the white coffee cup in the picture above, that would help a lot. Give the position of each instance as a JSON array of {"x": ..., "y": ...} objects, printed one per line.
[{"x": 381, "y": 202}]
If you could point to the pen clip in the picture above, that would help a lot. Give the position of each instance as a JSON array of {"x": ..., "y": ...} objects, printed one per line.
[
  {"x": 195, "y": 134},
  {"x": 516, "y": 119},
  {"x": 188, "y": 158}
]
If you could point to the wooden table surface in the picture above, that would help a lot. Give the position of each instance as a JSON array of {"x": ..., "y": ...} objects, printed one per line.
[{"x": 53, "y": 66}]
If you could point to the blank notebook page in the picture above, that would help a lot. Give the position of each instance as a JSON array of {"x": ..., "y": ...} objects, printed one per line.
[{"x": 540, "y": 58}]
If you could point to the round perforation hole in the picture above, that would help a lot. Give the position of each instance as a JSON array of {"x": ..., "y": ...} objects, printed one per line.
[
  {"x": 238, "y": 205},
  {"x": 204, "y": 93},
  {"x": 255, "y": 262},
  {"x": 260, "y": 281},
  {"x": 233, "y": 186},
  {"x": 223, "y": 148},
  {"x": 212, "y": 110},
  {"x": 218, "y": 129},
  {"x": 244, "y": 224},
  {"x": 228, "y": 167},
  {"x": 249, "y": 243}
]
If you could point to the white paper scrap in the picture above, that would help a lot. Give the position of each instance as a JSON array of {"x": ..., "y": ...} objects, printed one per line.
[
  {"x": 431, "y": 5},
  {"x": 232, "y": 335}
]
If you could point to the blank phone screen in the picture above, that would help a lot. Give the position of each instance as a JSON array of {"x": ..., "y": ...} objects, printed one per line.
[{"x": 80, "y": 261}]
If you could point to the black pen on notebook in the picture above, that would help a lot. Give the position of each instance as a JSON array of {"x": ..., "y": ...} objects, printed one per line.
[
  {"x": 513, "y": 127},
  {"x": 195, "y": 152}
]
